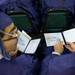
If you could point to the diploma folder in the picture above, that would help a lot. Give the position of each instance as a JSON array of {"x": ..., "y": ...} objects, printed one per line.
[
  {"x": 26, "y": 44},
  {"x": 65, "y": 36}
]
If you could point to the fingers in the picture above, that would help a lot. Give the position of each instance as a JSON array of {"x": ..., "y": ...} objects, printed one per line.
[
  {"x": 70, "y": 47},
  {"x": 58, "y": 47}
]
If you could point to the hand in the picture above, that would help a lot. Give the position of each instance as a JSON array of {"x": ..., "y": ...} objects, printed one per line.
[
  {"x": 71, "y": 47},
  {"x": 58, "y": 47}
]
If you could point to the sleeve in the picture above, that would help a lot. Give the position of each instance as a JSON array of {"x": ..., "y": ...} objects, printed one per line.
[{"x": 45, "y": 63}]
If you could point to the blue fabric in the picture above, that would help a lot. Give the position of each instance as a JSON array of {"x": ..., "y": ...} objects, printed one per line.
[
  {"x": 59, "y": 4},
  {"x": 21, "y": 65},
  {"x": 58, "y": 65},
  {"x": 47, "y": 51},
  {"x": 29, "y": 63},
  {"x": 44, "y": 50},
  {"x": 46, "y": 5},
  {"x": 10, "y": 68},
  {"x": 9, "y": 5},
  {"x": 30, "y": 7},
  {"x": 12, "y": 6},
  {"x": 3, "y": 4},
  {"x": 63, "y": 65},
  {"x": 45, "y": 64},
  {"x": 5, "y": 20}
]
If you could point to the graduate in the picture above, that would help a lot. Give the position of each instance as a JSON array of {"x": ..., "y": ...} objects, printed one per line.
[
  {"x": 10, "y": 63},
  {"x": 61, "y": 6},
  {"x": 58, "y": 64}
]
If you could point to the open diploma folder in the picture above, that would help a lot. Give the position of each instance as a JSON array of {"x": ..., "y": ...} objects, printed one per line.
[
  {"x": 26, "y": 44},
  {"x": 65, "y": 36}
]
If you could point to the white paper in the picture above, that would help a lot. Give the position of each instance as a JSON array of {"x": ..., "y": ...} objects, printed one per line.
[
  {"x": 32, "y": 46},
  {"x": 69, "y": 35},
  {"x": 23, "y": 41},
  {"x": 26, "y": 35},
  {"x": 52, "y": 38}
]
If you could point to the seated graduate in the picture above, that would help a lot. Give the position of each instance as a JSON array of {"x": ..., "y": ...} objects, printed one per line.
[
  {"x": 10, "y": 63},
  {"x": 49, "y": 6},
  {"x": 58, "y": 49},
  {"x": 57, "y": 64}
]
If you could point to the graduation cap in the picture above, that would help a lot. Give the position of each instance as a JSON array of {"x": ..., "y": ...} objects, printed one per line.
[{"x": 5, "y": 20}]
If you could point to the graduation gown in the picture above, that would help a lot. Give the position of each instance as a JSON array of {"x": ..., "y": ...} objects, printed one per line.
[
  {"x": 10, "y": 68},
  {"x": 21, "y": 65},
  {"x": 46, "y": 5},
  {"x": 27, "y": 6},
  {"x": 45, "y": 64},
  {"x": 63, "y": 65},
  {"x": 59, "y": 65},
  {"x": 30, "y": 8}
]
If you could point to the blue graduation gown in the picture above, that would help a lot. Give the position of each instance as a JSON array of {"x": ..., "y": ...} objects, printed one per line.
[
  {"x": 10, "y": 68},
  {"x": 29, "y": 63},
  {"x": 21, "y": 65},
  {"x": 45, "y": 64},
  {"x": 59, "y": 65},
  {"x": 56, "y": 4},
  {"x": 63, "y": 65},
  {"x": 30, "y": 7},
  {"x": 46, "y": 50}
]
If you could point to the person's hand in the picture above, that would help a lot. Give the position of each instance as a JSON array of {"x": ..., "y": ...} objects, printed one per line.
[
  {"x": 71, "y": 47},
  {"x": 58, "y": 47}
]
